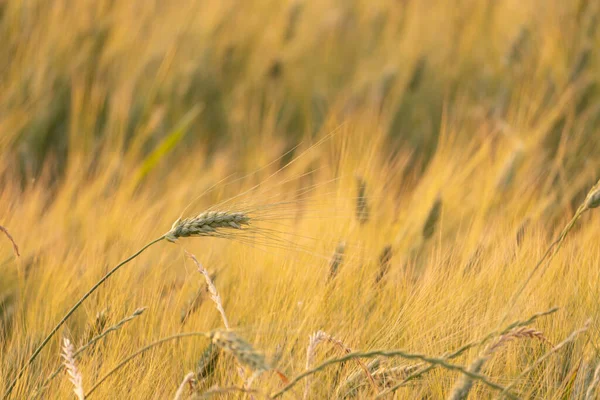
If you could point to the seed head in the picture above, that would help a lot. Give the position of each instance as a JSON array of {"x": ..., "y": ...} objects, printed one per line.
[
  {"x": 242, "y": 350},
  {"x": 593, "y": 197},
  {"x": 209, "y": 223}
]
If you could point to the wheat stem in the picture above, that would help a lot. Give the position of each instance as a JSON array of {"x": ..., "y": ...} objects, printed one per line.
[
  {"x": 394, "y": 353},
  {"x": 70, "y": 312},
  {"x": 466, "y": 347},
  {"x": 14, "y": 244},
  {"x": 537, "y": 362},
  {"x": 141, "y": 351},
  {"x": 95, "y": 339}
]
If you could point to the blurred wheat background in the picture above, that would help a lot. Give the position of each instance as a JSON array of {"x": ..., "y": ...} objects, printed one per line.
[{"x": 437, "y": 149}]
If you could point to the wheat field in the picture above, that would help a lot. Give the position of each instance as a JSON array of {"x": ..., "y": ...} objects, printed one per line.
[{"x": 341, "y": 199}]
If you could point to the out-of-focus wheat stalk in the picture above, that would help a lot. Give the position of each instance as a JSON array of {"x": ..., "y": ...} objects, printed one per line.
[
  {"x": 186, "y": 380},
  {"x": 590, "y": 393},
  {"x": 9, "y": 236},
  {"x": 74, "y": 374},
  {"x": 591, "y": 201}
]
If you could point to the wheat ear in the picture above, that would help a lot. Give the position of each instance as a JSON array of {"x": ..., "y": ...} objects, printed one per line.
[
  {"x": 74, "y": 374},
  {"x": 214, "y": 294},
  {"x": 209, "y": 223},
  {"x": 313, "y": 342}
]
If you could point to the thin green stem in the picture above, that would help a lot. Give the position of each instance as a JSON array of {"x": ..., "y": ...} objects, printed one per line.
[
  {"x": 140, "y": 351},
  {"x": 395, "y": 353},
  {"x": 70, "y": 312}
]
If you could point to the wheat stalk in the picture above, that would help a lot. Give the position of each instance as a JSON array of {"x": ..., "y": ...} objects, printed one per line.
[
  {"x": 313, "y": 342},
  {"x": 14, "y": 244},
  {"x": 321, "y": 336},
  {"x": 74, "y": 374},
  {"x": 90, "y": 343},
  {"x": 553, "y": 350},
  {"x": 465, "y": 383},
  {"x": 591, "y": 390},
  {"x": 591, "y": 201},
  {"x": 468, "y": 346},
  {"x": 394, "y": 353},
  {"x": 189, "y": 378}
]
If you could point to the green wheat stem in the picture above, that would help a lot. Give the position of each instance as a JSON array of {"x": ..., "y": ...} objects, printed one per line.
[{"x": 70, "y": 312}]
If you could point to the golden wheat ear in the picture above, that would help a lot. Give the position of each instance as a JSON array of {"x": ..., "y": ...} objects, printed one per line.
[{"x": 209, "y": 223}]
